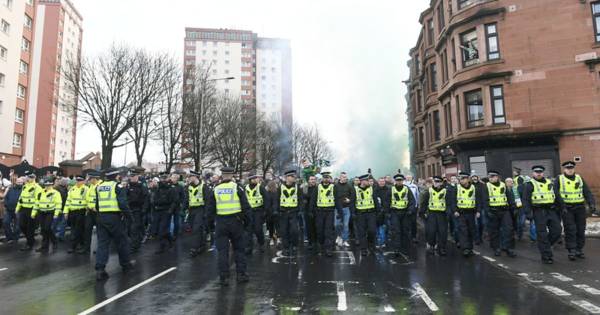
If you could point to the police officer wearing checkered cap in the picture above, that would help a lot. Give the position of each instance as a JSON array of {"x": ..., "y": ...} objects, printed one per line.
[{"x": 499, "y": 206}]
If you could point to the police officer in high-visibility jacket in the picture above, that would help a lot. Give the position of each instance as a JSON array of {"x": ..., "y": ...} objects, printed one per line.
[
  {"x": 229, "y": 205},
  {"x": 540, "y": 203},
  {"x": 401, "y": 206},
  {"x": 573, "y": 193},
  {"x": 436, "y": 204},
  {"x": 74, "y": 211},
  {"x": 499, "y": 206},
  {"x": 197, "y": 197},
  {"x": 112, "y": 208},
  {"x": 322, "y": 203},
  {"x": 287, "y": 206},
  {"x": 256, "y": 195},
  {"x": 91, "y": 216},
  {"x": 48, "y": 206},
  {"x": 25, "y": 206},
  {"x": 467, "y": 205},
  {"x": 365, "y": 209}
]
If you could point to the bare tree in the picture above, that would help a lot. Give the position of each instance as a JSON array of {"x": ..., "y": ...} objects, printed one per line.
[
  {"x": 314, "y": 147},
  {"x": 157, "y": 76},
  {"x": 269, "y": 145},
  {"x": 170, "y": 122},
  {"x": 108, "y": 93}
]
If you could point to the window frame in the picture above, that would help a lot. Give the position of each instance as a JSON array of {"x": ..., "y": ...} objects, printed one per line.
[
  {"x": 489, "y": 36},
  {"x": 458, "y": 113},
  {"x": 430, "y": 32},
  {"x": 2, "y": 79},
  {"x": 462, "y": 51},
  {"x": 22, "y": 118},
  {"x": 436, "y": 128},
  {"x": 24, "y": 91},
  {"x": 433, "y": 77},
  {"x": 493, "y": 99},
  {"x": 2, "y": 23},
  {"x": 445, "y": 69},
  {"x": 441, "y": 17},
  {"x": 594, "y": 16},
  {"x": 448, "y": 119},
  {"x": 470, "y": 122},
  {"x": 20, "y": 142}
]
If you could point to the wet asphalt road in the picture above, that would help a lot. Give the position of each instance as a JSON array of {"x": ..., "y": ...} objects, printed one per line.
[{"x": 59, "y": 283}]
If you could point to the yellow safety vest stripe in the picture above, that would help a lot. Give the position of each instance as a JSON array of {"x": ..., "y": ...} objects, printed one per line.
[
  {"x": 571, "y": 191},
  {"x": 497, "y": 195},
  {"x": 437, "y": 200},
  {"x": 399, "y": 198},
  {"x": 325, "y": 196},
  {"x": 227, "y": 199},
  {"x": 364, "y": 199}
]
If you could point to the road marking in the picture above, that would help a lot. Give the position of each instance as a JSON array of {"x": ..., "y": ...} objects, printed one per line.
[
  {"x": 351, "y": 257},
  {"x": 587, "y": 289},
  {"x": 556, "y": 290},
  {"x": 122, "y": 294},
  {"x": 329, "y": 281},
  {"x": 388, "y": 308},
  {"x": 2, "y": 269},
  {"x": 300, "y": 274},
  {"x": 476, "y": 252},
  {"x": 341, "y": 293},
  {"x": 561, "y": 277},
  {"x": 488, "y": 258},
  {"x": 503, "y": 266},
  {"x": 421, "y": 292},
  {"x": 526, "y": 276},
  {"x": 587, "y": 306}
]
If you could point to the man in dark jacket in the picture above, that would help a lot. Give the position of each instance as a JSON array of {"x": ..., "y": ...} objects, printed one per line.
[
  {"x": 309, "y": 217},
  {"x": 11, "y": 198},
  {"x": 165, "y": 204},
  {"x": 256, "y": 195},
  {"x": 467, "y": 205},
  {"x": 180, "y": 193},
  {"x": 365, "y": 208},
  {"x": 287, "y": 206},
  {"x": 344, "y": 191},
  {"x": 138, "y": 198},
  {"x": 321, "y": 207},
  {"x": 196, "y": 201},
  {"x": 400, "y": 204},
  {"x": 436, "y": 203}
]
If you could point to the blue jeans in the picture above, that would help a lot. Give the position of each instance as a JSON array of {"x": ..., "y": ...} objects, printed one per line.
[
  {"x": 11, "y": 228},
  {"x": 59, "y": 227},
  {"x": 341, "y": 224},
  {"x": 521, "y": 226},
  {"x": 381, "y": 235}
]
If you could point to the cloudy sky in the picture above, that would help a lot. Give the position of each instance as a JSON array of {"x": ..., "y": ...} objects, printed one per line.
[{"x": 349, "y": 62}]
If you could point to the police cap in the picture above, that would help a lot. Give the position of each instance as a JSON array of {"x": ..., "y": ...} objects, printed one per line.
[
  {"x": 538, "y": 168},
  {"x": 568, "y": 164}
]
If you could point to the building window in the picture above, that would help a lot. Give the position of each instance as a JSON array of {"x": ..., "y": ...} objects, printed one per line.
[
  {"x": 474, "y": 104},
  {"x": 25, "y": 44},
  {"x": 436, "y": 125},
  {"x": 5, "y": 27},
  {"x": 497, "y": 96},
  {"x": 453, "y": 58},
  {"x": 468, "y": 45},
  {"x": 445, "y": 66},
  {"x": 421, "y": 139},
  {"x": 465, "y": 3},
  {"x": 3, "y": 53},
  {"x": 2, "y": 79},
  {"x": 441, "y": 17},
  {"x": 19, "y": 115},
  {"x": 493, "y": 49},
  {"x": 433, "y": 79},
  {"x": 8, "y": 4},
  {"x": 458, "y": 112},
  {"x": 29, "y": 2},
  {"x": 448, "y": 117},
  {"x": 419, "y": 101},
  {"x": 596, "y": 17},
  {"x": 1, "y": 105},
  {"x": 23, "y": 67},
  {"x": 430, "y": 32},
  {"x": 21, "y": 91},
  {"x": 28, "y": 22},
  {"x": 17, "y": 138},
  {"x": 478, "y": 165},
  {"x": 417, "y": 65}
]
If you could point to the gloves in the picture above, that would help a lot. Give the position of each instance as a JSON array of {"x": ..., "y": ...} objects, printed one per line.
[
  {"x": 477, "y": 215},
  {"x": 456, "y": 214},
  {"x": 594, "y": 212}
]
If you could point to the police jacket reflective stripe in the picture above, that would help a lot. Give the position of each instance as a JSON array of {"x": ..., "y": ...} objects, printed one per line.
[
  {"x": 227, "y": 199},
  {"x": 571, "y": 191},
  {"x": 437, "y": 200},
  {"x": 399, "y": 198},
  {"x": 497, "y": 195},
  {"x": 364, "y": 199},
  {"x": 288, "y": 197},
  {"x": 465, "y": 197},
  {"x": 255, "y": 199},
  {"x": 325, "y": 198},
  {"x": 542, "y": 194},
  {"x": 196, "y": 197},
  {"x": 106, "y": 193}
]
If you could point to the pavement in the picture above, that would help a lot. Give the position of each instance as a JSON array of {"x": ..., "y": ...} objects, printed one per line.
[{"x": 174, "y": 283}]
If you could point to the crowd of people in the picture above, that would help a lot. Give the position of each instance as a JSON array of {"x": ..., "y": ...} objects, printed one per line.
[{"x": 249, "y": 214}]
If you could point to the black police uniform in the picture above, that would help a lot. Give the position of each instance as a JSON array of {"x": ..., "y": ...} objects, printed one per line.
[
  {"x": 165, "y": 202},
  {"x": 257, "y": 221},
  {"x": 365, "y": 221},
  {"x": 400, "y": 219},
  {"x": 198, "y": 218},
  {"x": 436, "y": 222},
  {"x": 138, "y": 198},
  {"x": 324, "y": 218},
  {"x": 500, "y": 221},
  {"x": 288, "y": 220}
]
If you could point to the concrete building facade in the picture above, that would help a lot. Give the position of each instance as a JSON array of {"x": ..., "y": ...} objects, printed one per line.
[{"x": 498, "y": 84}]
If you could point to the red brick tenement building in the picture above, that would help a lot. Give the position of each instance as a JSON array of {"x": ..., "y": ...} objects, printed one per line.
[{"x": 496, "y": 84}]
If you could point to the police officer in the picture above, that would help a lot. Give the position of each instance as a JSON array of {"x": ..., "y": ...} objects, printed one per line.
[
  {"x": 286, "y": 209},
  {"x": 229, "y": 205},
  {"x": 499, "y": 204},
  {"x": 466, "y": 210},
  {"x": 322, "y": 205},
  {"x": 75, "y": 213},
  {"x": 166, "y": 201},
  {"x": 112, "y": 207},
  {"x": 573, "y": 193},
  {"x": 400, "y": 205},
  {"x": 435, "y": 206},
  {"x": 48, "y": 204},
  {"x": 365, "y": 209},
  {"x": 91, "y": 216},
  {"x": 539, "y": 202},
  {"x": 197, "y": 198},
  {"x": 256, "y": 195},
  {"x": 24, "y": 208},
  {"x": 138, "y": 198}
]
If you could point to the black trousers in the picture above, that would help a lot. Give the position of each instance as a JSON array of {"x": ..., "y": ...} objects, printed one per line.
[
  {"x": 500, "y": 228},
  {"x": 229, "y": 229},
  {"x": 111, "y": 227},
  {"x": 574, "y": 221},
  {"x": 310, "y": 222},
  {"x": 413, "y": 224},
  {"x": 199, "y": 226},
  {"x": 325, "y": 228},
  {"x": 91, "y": 218},
  {"x": 288, "y": 228},
  {"x": 547, "y": 225},
  {"x": 45, "y": 219},
  {"x": 400, "y": 229},
  {"x": 27, "y": 225},
  {"x": 466, "y": 228},
  {"x": 436, "y": 229},
  {"x": 77, "y": 222},
  {"x": 136, "y": 228},
  {"x": 255, "y": 228},
  {"x": 366, "y": 228},
  {"x": 164, "y": 222}
]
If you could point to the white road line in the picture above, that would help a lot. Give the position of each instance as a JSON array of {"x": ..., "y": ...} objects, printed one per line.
[
  {"x": 329, "y": 281},
  {"x": 421, "y": 292},
  {"x": 561, "y": 277},
  {"x": 388, "y": 308},
  {"x": 503, "y": 266},
  {"x": 588, "y": 289},
  {"x": 476, "y": 252},
  {"x": 556, "y": 290},
  {"x": 300, "y": 274},
  {"x": 2, "y": 269},
  {"x": 526, "y": 276},
  {"x": 341, "y": 293},
  {"x": 488, "y": 258},
  {"x": 351, "y": 257},
  {"x": 120, "y": 295},
  {"x": 589, "y": 307}
]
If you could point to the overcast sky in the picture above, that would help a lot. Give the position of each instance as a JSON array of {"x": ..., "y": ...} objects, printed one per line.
[{"x": 348, "y": 62}]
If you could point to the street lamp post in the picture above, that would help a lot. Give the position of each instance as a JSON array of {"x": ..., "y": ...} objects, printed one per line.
[{"x": 125, "y": 156}]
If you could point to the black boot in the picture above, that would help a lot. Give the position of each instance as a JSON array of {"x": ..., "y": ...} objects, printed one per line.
[
  {"x": 242, "y": 278},
  {"x": 26, "y": 248},
  {"x": 579, "y": 254},
  {"x": 511, "y": 253},
  {"x": 101, "y": 275},
  {"x": 571, "y": 255},
  {"x": 497, "y": 252},
  {"x": 224, "y": 280}
]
